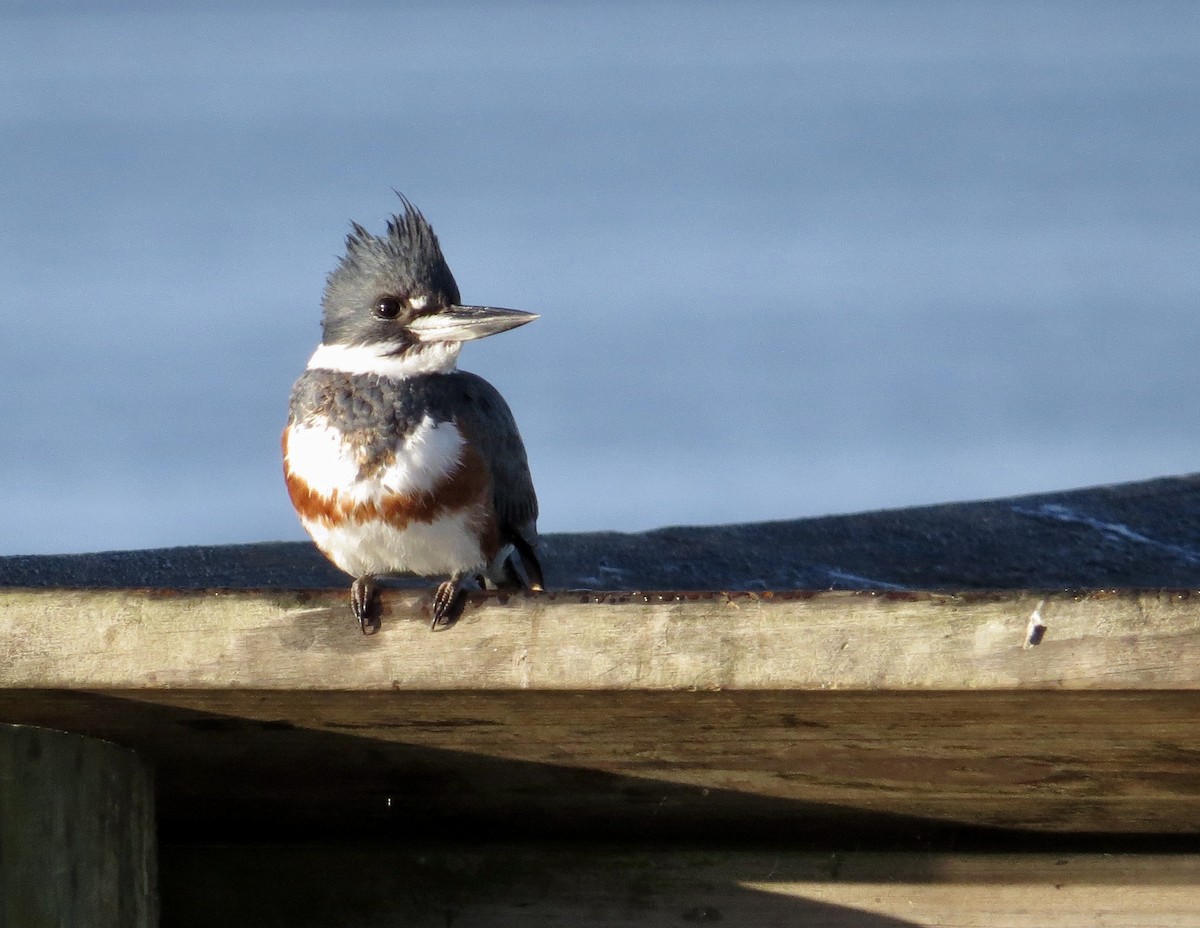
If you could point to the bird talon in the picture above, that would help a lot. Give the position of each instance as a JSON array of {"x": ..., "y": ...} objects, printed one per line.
[
  {"x": 446, "y": 598},
  {"x": 364, "y": 603}
]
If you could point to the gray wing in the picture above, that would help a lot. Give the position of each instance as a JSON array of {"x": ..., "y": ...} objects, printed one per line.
[{"x": 487, "y": 422}]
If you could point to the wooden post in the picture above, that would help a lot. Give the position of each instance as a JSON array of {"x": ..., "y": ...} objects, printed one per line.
[{"x": 77, "y": 832}]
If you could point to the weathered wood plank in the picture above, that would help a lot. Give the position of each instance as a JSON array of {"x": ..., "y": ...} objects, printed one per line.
[
  {"x": 829, "y": 765},
  {"x": 523, "y": 887},
  {"x": 102, "y": 640},
  {"x": 1066, "y": 761},
  {"x": 628, "y": 711},
  {"x": 77, "y": 832}
]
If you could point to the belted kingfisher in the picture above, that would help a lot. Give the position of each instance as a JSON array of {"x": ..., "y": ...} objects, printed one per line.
[{"x": 396, "y": 461}]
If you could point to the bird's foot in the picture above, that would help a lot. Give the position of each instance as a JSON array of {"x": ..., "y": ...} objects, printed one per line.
[
  {"x": 364, "y": 603},
  {"x": 447, "y": 603}
]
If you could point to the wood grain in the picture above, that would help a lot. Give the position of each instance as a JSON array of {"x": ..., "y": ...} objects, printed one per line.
[
  {"x": 653, "y": 713},
  {"x": 102, "y": 639}
]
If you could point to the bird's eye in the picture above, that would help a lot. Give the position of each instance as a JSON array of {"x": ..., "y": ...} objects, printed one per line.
[{"x": 388, "y": 307}]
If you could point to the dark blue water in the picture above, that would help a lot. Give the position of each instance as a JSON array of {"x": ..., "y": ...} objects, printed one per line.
[{"x": 791, "y": 259}]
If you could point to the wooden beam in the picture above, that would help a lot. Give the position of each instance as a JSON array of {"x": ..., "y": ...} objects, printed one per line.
[
  {"x": 633, "y": 710},
  {"x": 611, "y": 642},
  {"x": 515, "y": 885}
]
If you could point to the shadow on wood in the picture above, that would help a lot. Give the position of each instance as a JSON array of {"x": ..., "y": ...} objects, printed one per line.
[
  {"x": 499, "y": 885},
  {"x": 838, "y": 771}
]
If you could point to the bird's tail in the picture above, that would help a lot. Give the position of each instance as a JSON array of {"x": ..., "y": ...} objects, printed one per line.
[{"x": 533, "y": 578}]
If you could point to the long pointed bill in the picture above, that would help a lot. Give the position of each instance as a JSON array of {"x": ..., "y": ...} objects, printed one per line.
[{"x": 464, "y": 323}]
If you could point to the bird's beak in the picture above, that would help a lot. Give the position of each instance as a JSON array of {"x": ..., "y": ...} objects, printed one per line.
[{"x": 464, "y": 323}]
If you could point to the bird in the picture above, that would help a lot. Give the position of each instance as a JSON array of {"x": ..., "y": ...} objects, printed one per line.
[{"x": 396, "y": 461}]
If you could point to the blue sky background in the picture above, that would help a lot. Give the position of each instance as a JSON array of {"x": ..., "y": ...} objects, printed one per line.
[{"x": 791, "y": 259}]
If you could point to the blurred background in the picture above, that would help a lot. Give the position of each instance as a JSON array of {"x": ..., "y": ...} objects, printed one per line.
[{"x": 791, "y": 258}]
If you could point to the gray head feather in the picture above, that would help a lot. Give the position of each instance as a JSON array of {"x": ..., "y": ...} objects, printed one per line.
[{"x": 404, "y": 263}]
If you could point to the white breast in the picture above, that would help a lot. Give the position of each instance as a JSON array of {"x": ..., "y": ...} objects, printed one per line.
[{"x": 321, "y": 456}]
